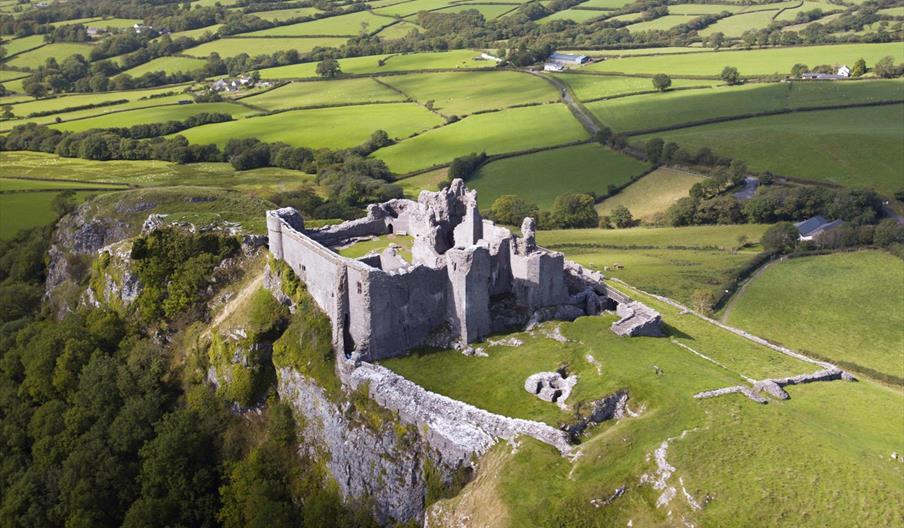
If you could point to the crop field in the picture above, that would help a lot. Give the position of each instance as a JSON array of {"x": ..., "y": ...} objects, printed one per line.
[
  {"x": 346, "y": 25},
  {"x": 752, "y": 62},
  {"x": 149, "y": 173},
  {"x": 542, "y": 176},
  {"x": 575, "y": 15},
  {"x": 59, "y": 50},
  {"x": 652, "y": 194},
  {"x": 230, "y": 47},
  {"x": 674, "y": 261},
  {"x": 497, "y": 132},
  {"x": 854, "y": 147},
  {"x": 587, "y": 87},
  {"x": 468, "y": 92},
  {"x": 322, "y": 93},
  {"x": 159, "y": 114},
  {"x": 662, "y": 23},
  {"x": 450, "y": 60},
  {"x": 169, "y": 65},
  {"x": 18, "y": 45},
  {"x": 846, "y": 307},
  {"x": 285, "y": 14},
  {"x": 338, "y": 127}
]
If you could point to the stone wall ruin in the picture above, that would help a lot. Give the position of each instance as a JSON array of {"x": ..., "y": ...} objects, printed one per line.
[{"x": 468, "y": 277}]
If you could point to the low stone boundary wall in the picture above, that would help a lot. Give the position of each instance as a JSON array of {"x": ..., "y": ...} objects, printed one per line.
[{"x": 455, "y": 428}]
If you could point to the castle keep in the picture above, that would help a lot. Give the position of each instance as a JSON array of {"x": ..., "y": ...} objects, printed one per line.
[{"x": 467, "y": 277}]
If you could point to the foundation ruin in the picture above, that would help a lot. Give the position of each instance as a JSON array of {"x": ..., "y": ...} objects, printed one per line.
[{"x": 467, "y": 278}]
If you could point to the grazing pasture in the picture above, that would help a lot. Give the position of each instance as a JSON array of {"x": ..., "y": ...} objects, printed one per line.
[
  {"x": 57, "y": 50},
  {"x": 662, "y": 23},
  {"x": 599, "y": 86},
  {"x": 652, "y": 194},
  {"x": 674, "y": 261},
  {"x": 463, "y": 93},
  {"x": 75, "y": 100},
  {"x": 24, "y": 210},
  {"x": 430, "y": 181},
  {"x": 18, "y": 45},
  {"x": 844, "y": 307},
  {"x": 703, "y": 9},
  {"x": 855, "y": 147},
  {"x": 405, "y": 9},
  {"x": 809, "y": 5},
  {"x": 489, "y": 11},
  {"x": 735, "y": 25},
  {"x": 443, "y": 60},
  {"x": 195, "y": 33},
  {"x": 285, "y": 14},
  {"x": 399, "y": 30},
  {"x": 159, "y": 114},
  {"x": 751, "y": 62},
  {"x": 638, "y": 51},
  {"x": 346, "y": 25},
  {"x": 575, "y": 15},
  {"x": 494, "y": 133},
  {"x": 542, "y": 176},
  {"x": 230, "y": 47},
  {"x": 605, "y": 4},
  {"x": 322, "y": 93},
  {"x": 337, "y": 127}
]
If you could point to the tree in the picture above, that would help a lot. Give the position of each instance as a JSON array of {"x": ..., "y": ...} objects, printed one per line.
[
  {"x": 603, "y": 135},
  {"x": 662, "y": 82},
  {"x": 8, "y": 111},
  {"x": 654, "y": 150},
  {"x": 799, "y": 69},
  {"x": 574, "y": 210},
  {"x": 621, "y": 217},
  {"x": 888, "y": 232},
  {"x": 780, "y": 238},
  {"x": 730, "y": 75},
  {"x": 329, "y": 68},
  {"x": 703, "y": 300},
  {"x": 859, "y": 68},
  {"x": 717, "y": 39},
  {"x": 886, "y": 67},
  {"x": 511, "y": 209}
]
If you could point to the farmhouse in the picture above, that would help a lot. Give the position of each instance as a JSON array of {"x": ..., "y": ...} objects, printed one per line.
[
  {"x": 95, "y": 32},
  {"x": 844, "y": 71},
  {"x": 813, "y": 227},
  {"x": 231, "y": 85},
  {"x": 468, "y": 277},
  {"x": 553, "y": 67},
  {"x": 564, "y": 58}
]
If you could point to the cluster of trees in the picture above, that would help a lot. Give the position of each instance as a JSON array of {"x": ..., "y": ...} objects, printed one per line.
[
  {"x": 106, "y": 144},
  {"x": 884, "y": 67},
  {"x": 103, "y": 425},
  {"x": 783, "y": 238},
  {"x": 569, "y": 210},
  {"x": 68, "y": 33},
  {"x": 464, "y": 167}
]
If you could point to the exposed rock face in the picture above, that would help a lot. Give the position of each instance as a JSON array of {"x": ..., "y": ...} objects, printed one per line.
[
  {"x": 550, "y": 386},
  {"x": 774, "y": 386},
  {"x": 364, "y": 463},
  {"x": 637, "y": 320},
  {"x": 611, "y": 407}
]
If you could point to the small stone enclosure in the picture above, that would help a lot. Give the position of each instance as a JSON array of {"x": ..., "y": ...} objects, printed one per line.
[{"x": 468, "y": 277}]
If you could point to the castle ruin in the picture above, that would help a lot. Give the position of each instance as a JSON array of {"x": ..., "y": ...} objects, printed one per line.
[{"x": 467, "y": 278}]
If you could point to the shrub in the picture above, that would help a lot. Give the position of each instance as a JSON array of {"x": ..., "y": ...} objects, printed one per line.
[
  {"x": 573, "y": 210},
  {"x": 511, "y": 210}
]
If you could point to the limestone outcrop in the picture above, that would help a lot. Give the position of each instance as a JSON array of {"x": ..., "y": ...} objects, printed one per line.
[
  {"x": 550, "y": 386},
  {"x": 637, "y": 320},
  {"x": 775, "y": 386}
]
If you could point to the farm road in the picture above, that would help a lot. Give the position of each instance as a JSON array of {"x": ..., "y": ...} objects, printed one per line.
[{"x": 579, "y": 111}]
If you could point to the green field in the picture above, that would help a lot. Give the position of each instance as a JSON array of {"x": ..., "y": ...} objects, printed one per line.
[
  {"x": 892, "y": 11},
  {"x": 495, "y": 133},
  {"x": 652, "y": 194},
  {"x": 18, "y": 45},
  {"x": 675, "y": 261},
  {"x": 169, "y": 65},
  {"x": 809, "y": 5},
  {"x": 703, "y": 9},
  {"x": 58, "y": 50},
  {"x": 542, "y": 176},
  {"x": 195, "y": 33},
  {"x": 285, "y": 14},
  {"x": 397, "y": 31},
  {"x": 159, "y": 114},
  {"x": 845, "y": 307},
  {"x": 673, "y": 108},
  {"x": 16, "y": 184},
  {"x": 854, "y": 147},
  {"x": 377, "y": 245},
  {"x": 662, "y": 23},
  {"x": 150, "y": 173},
  {"x": 334, "y": 92},
  {"x": 409, "y": 8},
  {"x": 575, "y": 15},
  {"x": 114, "y": 23},
  {"x": 489, "y": 11},
  {"x": 338, "y": 127},
  {"x": 75, "y": 100},
  {"x": 605, "y": 4},
  {"x": 752, "y": 62},
  {"x": 430, "y": 181},
  {"x": 346, "y": 25},
  {"x": 468, "y": 92},
  {"x": 448, "y": 60},
  {"x": 25, "y": 210},
  {"x": 230, "y": 47},
  {"x": 587, "y": 87},
  {"x": 639, "y": 51},
  {"x": 735, "y": 25}
]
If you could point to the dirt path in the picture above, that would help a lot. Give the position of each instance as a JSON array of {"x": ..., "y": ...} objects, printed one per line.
[
  {"x": 235, "y": 302},
  {"x": 579, "y": 111}
]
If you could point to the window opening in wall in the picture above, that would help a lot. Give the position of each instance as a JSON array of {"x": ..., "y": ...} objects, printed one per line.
[{"x": 359, "y": 288}]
